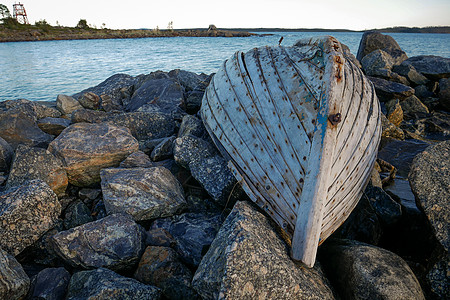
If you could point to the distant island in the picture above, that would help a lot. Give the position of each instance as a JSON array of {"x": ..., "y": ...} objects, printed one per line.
[{"x": 12, "y": 31}]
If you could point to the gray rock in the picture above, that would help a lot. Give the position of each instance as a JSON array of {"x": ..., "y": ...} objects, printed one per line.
[
  {"x": 53, "y": 126},
  {"x": 248, "y": 260},
  {"x": 444, "y": 93},
  {"x": 144, "y": 193},
  {"x": 193, "y": 233},
  {"x": 189, "y": 80},
  {"x": 27, "y": 212},
  {"x": 389, "y": 130},
  {"x": 163, "y": 150},
  {"x": 142, "y": 125},
  {"x": 106, "y": 284},
  {"x": 193, "y": 101},
  {"x": 66, "y": 104},
  {"x": 14, "y": 282},
  {"x": 89, "y": 194},
  {"x": 117, "y": 87},
  {"x": 85, "y": 149},
  {"x": 385, "y": 207},
  {"x": 191, "y": 125},
  {"x": 433, "y": 67},
  {"x": 50, "y": 284},
  {"x": 376, "y": 60},
  {"x": 160, "y": 266},
  {"x": 361, "y": 271},
  {"x": 18, "y": 126},
  {"x": 76, "y": 214},
  {"x": 206, "y": 166},
  {"x": 108, "y": 104},
  {"x": 6, "y": 155},
  {"x": 115, "y": 242},
  {"x": 387, "y": 90},
  {"x": 422, "y": 92},
  {"x": 410, "y": 73},
  {"x": 394, "y": 112},
  {"x": 164, "y": 93},
  {"x": 90, "y": 100},
  {"x": 39, "y": 109},
  {"x": 371, "y": 41},
  {"x": 160, "y": 237},
  {"x": 412, "y": 105},
  {"x": 37, "y": 163},
  {"x": 137, "y": 160},
  {"x": 430, "y": 182}
]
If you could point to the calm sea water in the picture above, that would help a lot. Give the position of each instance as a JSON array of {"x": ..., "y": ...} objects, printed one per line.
[{"x": 39, "y": 71}]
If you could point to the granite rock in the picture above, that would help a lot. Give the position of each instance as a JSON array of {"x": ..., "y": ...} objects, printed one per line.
[
  {"x": 248, "y": 260},
  {"x": 14, "y": 282},
  {"x": 106, "y": 284},
  {"x": 389, "y": 130},
  {"x": 163, "y": 150},
  {"x": 372, "y": 40},
  {"x": 412, "y": 106},
  {"x": 67, "y": 104},
  {"x": 433, "y": 67},
  {"x": 144, "y": 193},
  {"x": 387, "y": 90},
  {"x": 191, "y": 125},
  {"x": 137, "y": 159},
  {"x": 27, "y": 212},
  {"x": 53, "y": 126},
  {"x": 430, "y": 182},
  {"x": 160, "y": 266},
  {"x": 410, "y": 73},
  {"x": 193, "y": 233},
  {"x": 115, "y": 242},
  {"x": 444, "y": 93},
  {"x": 37, "y": 163},
  {"x": 361, "y": 271},
  {"x": 76, "y": 214},
  {"x": 160, "y": 237},
  {"x": 86, "y": 148},
  {"x": 83, "y": 115},
  {"x": 50, "y": 284},
  {"x": 90, "y": 100},
  {"x": 394, "y": 112},
  {"x": 388, "y": 211}
]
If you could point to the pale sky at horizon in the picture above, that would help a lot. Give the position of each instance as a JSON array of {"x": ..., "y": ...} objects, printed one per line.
[{"x": 343, "y": 14}]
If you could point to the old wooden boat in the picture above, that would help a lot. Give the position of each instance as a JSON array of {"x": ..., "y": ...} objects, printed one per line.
[{"x": 300, "y": 126}]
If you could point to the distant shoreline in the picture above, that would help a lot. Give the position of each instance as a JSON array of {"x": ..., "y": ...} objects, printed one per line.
[{"x": 22, "y": 33}]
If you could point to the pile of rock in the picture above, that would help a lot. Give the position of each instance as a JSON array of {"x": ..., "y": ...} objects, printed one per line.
[{"x": 119, "y": 192}]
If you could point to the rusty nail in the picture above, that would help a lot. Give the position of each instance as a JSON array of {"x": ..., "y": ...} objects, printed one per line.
[{"x": 335, "y": 118}]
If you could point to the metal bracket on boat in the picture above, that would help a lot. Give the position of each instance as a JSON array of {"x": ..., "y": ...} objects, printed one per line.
[{"x": 334, "y": 119}]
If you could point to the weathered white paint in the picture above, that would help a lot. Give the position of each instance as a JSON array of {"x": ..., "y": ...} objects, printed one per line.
[{"x": 268, "y": 109}]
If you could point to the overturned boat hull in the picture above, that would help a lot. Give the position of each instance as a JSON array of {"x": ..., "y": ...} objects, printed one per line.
[{"x": 300, "y": 126}]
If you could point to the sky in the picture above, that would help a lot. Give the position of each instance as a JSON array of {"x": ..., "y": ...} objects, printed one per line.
[{"x": 330, "y": 14}]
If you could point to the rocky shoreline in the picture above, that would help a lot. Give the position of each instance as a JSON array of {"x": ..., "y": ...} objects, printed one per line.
[
  {"x": 119, "y": 192},
  {"x": 67, "y": 33}
]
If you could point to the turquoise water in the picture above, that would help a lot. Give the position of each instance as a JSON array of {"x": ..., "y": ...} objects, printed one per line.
[{"x": 40, "y": 71}]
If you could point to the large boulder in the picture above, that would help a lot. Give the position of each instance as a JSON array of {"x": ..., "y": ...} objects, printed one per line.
[
  {"x": 144, "y": 193},
  {"x": 377, "y": 63},
  {"x": 85, "y": 149},
  {"x": 164, "y": 93},
  {"x": 37, "y": 163},
  {"x": 430, "y": 182},
  {"x": 361, "y": 271},
  {"x": 410, "y": 73},
  {"x": 160, "y": 266},
  {"x": 27, "y": 212},
  {"x": 248, "y": 260},
  {"x": 106, "y": 284},
  {"x": 371, "y": 41},
  {"x": 193, "y": 232},
  {"x": 388, "y": 90},
  {"x": 50, "y": 283},
  {"x": 433, "y": 67},
  {"x": 115, "y": 242},
  {"x": 18, "y": 126},
  {"x": 14, "y": 282},
  {"x": 6, "y": 155},
  {"x": 142, "y": 125},
  {"x": 118, "y": 87}
]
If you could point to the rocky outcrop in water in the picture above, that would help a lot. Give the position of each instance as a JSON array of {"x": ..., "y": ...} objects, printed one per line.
[{"x": 149, "y": 196}]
